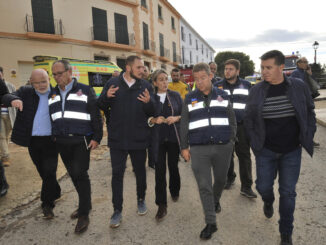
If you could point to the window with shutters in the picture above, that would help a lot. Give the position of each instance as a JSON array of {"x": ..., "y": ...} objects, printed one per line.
[
  {"x": 143, "y": 4},
  {"x": 172, "y": 23},
  {"x": 161, "y": 44},
  {"x": 100, "y": 25},
  {"x": 174, "y": 47},
  {"x": 43, "y": 16},
  {"x": 196, "y": 44},
  {"x": 190, "y": 57},
  {"x": 160, "y": 14},
  {"x": 190, "y": 40},
  {"x": 121, "y": 29},
  {"x": 145, "y": 36},
  {"x": 183, "y": 37}
]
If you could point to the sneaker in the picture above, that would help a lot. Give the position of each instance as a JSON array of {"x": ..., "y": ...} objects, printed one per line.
[
  {"x": 286, "y": 239},
  {"x": 141, "y": 205},
  {"x": 248, "y": 192},
  {"x": 48, "y": 212},
  {"x": 115, "y": 219},
  {"x": 207, "y": 232},
  {"x": 268, "y": 209},
  {"x": 218, "y": 208},
  {"x": 161, "y": 212}
]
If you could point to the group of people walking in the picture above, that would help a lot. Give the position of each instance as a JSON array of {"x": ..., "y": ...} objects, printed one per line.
[{"x": 274, "y": 118}]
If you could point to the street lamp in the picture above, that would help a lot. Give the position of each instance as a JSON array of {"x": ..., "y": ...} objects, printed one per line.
[{"x": 315, "y": 45}]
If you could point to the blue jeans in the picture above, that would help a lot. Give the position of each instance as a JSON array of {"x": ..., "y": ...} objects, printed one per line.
[{"x": 268, "y": 164}]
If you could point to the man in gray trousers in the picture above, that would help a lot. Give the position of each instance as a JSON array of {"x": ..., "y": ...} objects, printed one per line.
[{"x": 208, "y": 125}]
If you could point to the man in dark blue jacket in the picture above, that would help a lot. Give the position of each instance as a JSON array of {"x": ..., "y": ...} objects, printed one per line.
[
  {"x": 280, "y": 120},
  {"x": 32, "y": 129},
  {"x": 77, "y": 129},
  {"x": 130, "y": 103},
  {"x": 238, "y": 91}
]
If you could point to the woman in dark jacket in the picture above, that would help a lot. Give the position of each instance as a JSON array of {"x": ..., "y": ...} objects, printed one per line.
[{"x": 166, "y": 140}]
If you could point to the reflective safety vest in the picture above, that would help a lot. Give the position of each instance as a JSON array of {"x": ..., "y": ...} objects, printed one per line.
[
  {"x": 75, "y": 119},
  {"x": 208, "y": 124},
  {"x": 238, "y": 97}
]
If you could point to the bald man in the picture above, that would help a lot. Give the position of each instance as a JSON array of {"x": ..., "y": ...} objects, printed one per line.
[{"x": 32, "y": 129}]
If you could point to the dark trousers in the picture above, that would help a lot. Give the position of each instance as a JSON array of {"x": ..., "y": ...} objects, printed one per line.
[
  {"x": 3, "y": 181},
  {"x": 288, "y": 165},
  {"x": 172, "y": 150},
  {"x": 118, "y": 161},
  {"x": 44, "y": 154},
  {"x": 75, "y": 157},
  {"x": 242, "y": 149}
]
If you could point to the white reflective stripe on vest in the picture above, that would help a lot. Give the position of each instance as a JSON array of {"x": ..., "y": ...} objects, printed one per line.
[
  {"x": 198, "y": 124},
  {"x": 55, "y": 99},
  {"x": 77, "y": 115},
  {"x": 228, "y": 91},
  {"x": 82, "y": 97},
  {"x": 242, "y": 91},
  {"x": 215, "y": 103},
  {"x": 56, "y": 115},
  {"x": 220, "y": 121},
  {"x": 239, "y": 106},
  {"x": 196, "y": 106}
]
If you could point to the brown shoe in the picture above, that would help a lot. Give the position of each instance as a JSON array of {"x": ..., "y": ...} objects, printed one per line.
[
  {"x": 161, "y": 212},
  {"x": 74, "y": 214},
  {"x": 82, "y": 224},
  {"x": 47, "y": 212}
]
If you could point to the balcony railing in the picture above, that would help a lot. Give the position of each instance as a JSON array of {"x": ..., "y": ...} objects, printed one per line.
[
  {"x": 43, "y": 25},
  {"x": 164, "y": 52},
  {"x": 100, "y": 33}
]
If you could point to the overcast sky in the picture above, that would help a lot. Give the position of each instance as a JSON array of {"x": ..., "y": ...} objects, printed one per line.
[{"x": 254, "y": 27}]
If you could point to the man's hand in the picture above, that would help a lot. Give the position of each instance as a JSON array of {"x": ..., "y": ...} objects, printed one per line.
[
  {"x": 17, "y": 104},
  {"x": 170, "y": 120},
  {"x": 144, "y": 97},
  {"x": 92, "y": 145},
  {"x": 185, "y": 153},
  {"x": 111, "y": 91},
  {"x": 159, "y": 120}
]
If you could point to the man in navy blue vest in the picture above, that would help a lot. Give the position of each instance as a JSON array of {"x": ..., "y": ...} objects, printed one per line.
[
  {"x": 77, "y": 128},
  {"x": 130, "y": 103},
  {"x": 208, "y": 126},
  {"x": 280, "y": 120},
  {"x": 238, "y": 91}
]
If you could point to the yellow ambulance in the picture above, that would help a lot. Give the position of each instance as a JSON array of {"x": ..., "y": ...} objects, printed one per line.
[{"x": 92, "y": 73}]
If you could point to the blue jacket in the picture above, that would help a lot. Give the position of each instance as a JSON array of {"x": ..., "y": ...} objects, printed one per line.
[
  {"x": 210, "y": 124},
  {"x": 299, "y": 96},
  {"x": 127, "y": 127},
  {"x": 238, "y": 97},
  {"x": 298, "y": 73},
  {"x": 81, "y": 116}
]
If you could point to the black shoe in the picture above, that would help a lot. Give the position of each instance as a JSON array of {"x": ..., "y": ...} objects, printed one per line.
[
  {"x": 48, "y": 212},
  {"x": 286, "y": 239},
  {"x": 74, "y": 214},
  {"x": 208, "y": 231},
  {"x": 82, "y": 224},
  {"x": 4, "y": 190},
  {"x": 228, "y": 184},
  {"x": 161, "y": 212},
  {"x": 175, "y": 198},
  {"x": 268, "y": 209},
  {"x": 218, "y": 208},
  {"x": 248, "y": 192}
]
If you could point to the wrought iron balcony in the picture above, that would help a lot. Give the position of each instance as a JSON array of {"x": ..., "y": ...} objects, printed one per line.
[
  {"x": 43, "y": 25},
  {"x": 100, "y": 33}
]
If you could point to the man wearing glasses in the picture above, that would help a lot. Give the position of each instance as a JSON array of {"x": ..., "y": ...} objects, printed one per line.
[
  {"x": 77, "y": 129},
  {"x": 32, "y": 129}
]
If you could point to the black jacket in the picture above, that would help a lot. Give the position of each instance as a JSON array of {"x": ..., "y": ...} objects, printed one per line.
[
  {"x": 299, "y": 96},
  {"x": 72, "y": 125},
  {"x": 23, "y": 126},
  {"x": 127, "y": 128}
]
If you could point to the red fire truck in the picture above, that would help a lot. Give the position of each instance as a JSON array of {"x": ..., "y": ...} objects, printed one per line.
[{"x": 290, "y": 63}]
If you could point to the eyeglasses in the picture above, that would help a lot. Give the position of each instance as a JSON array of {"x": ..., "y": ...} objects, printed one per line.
[
  {"x": 39, "y": 83},
  {"x": 58, "y": 73}
]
